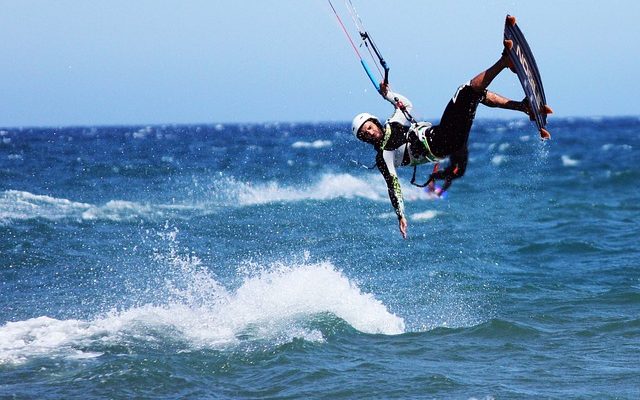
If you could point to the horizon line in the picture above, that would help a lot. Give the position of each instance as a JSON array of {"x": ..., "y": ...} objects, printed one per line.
[{"x": 273, "y": 122}]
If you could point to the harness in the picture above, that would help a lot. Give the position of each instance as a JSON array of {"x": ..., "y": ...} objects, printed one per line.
[{"x": 420, "y": 130}]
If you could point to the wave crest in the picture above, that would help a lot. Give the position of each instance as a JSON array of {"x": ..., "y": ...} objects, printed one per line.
[
  {"x": 225, "y": 192},
  {"x": 21, "y": 205},
  {"x": 329, "y": 187},
  {"x": 277, "y": 305}
]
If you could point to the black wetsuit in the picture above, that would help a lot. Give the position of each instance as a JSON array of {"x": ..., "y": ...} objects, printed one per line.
[{"x": 412, "y": 145}]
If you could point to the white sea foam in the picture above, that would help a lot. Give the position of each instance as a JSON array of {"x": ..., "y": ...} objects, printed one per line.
[
  {"x": 413, "y": 193},
  {"x": 525, "y": 138},
  {"x": 609, "y": 146},
  {"x": 316, "y": 144},
  {"x": 42, "y": 336},
  {"x": 309, "y": 289},
  {"x": 329, "y": 187},
  {"x": 388, "y": 215},
  {"x": 425, "y": 215},
  {"x": 21, "y": 205},
  {"x": 498, "y": 159},
  {"x": 516, "y": 124},
  {"x": 503, "y": 147},
  {"x": 118, "y": 210},
  {"x": 225, "y": 192},
  {"x": 142, "y": 133},
  {"x": 274, "y": 304},
  {"x": 569, "y": 162}
]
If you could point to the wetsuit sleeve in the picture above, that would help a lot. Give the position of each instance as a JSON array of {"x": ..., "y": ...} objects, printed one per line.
[
  {"x": 398, "y": 115},
  {"x": 456, "y": 169},
  {"x": 384, "y": 162}
]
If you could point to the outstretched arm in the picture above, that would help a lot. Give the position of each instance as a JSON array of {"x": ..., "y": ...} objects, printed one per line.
[{"x": 384, "y": 162}]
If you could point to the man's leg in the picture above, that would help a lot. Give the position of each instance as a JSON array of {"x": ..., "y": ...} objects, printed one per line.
[
  {"x": 455, "y": 124},
  {"x": 492, "y": 99},
  {"x": 481, "y": 81}
]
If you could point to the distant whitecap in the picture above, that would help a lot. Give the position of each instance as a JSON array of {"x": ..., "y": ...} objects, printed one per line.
[
  {"x": 498, "y": 160},
  {"x": 569, "y": 162},
  {"x": 19, "y": 205},
  {"x": 610, "y": 146},
  {"x": 425, "y": 215},
  {"x": 316, "y": 144}
]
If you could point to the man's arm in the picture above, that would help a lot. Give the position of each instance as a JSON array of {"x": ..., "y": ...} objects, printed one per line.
[
  {"x": 384, "y": 162},
  {"x": 399, "y": 102}
]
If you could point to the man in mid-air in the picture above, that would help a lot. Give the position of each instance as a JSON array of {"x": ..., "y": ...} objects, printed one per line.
[{"x": 399, "y": 142}]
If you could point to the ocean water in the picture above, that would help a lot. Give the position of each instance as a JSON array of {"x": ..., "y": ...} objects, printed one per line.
[{"x": 257, "y": 261}]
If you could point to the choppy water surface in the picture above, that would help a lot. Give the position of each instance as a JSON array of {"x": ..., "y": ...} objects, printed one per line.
[{"x": 253, "y": 261}]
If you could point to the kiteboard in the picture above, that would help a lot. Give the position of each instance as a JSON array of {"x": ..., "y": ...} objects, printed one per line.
[{"x": 527, "y": 70}]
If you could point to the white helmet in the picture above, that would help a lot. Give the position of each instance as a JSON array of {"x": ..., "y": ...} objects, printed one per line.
[{"x": 359, "y": 120}]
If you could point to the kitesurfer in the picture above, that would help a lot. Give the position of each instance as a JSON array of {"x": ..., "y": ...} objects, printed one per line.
[{"x": 401, "y": 142}]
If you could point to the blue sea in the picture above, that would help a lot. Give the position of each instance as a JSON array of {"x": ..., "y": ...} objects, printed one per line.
[{"x": 257, "y": 261}]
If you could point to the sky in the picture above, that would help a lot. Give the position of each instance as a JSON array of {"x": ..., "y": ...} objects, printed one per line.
[{"x": 85, "y": 62}]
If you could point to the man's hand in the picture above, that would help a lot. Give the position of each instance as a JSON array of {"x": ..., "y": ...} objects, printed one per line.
[
  {"x": 402, "y": 224},
  {"x": 384, "y": 88}
]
